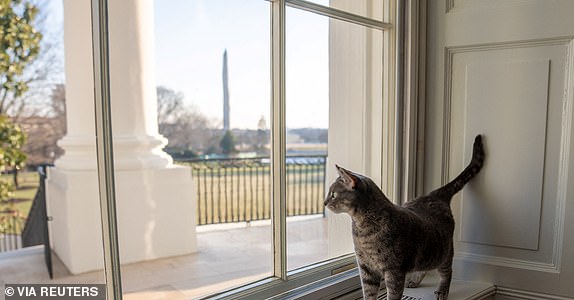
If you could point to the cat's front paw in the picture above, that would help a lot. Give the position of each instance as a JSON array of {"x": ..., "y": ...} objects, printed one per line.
[
  {"x": 441, "y": 295},
  {"x": 412, "y": 284},
  {"x": 414, "y": 279}
]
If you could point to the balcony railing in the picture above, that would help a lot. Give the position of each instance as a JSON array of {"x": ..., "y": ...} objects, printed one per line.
[
  {"x": 12, "y": 223},
  {"x": 238, "y": 189},
  {"x": 228, "y": 190}
]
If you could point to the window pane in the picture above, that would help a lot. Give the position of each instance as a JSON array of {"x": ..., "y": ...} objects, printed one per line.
[
  {"x": 366, "y": 8},
  {"x": 307, "y": 115},
  {"x": 200, "y": 225},
  {"x": 334, "y": 91},
  {"x": 57, "y": 115}
]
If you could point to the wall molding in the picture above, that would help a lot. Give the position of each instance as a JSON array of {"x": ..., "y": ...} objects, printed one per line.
[
  {"x": 507, "y": 262},
  {"x": 450, "y": 52},
  {"x": 521, "y": 294},
  {"x": 565, "y": 151},
  {"x": 414, "y": 100},
  {"x": 353, "y": 290}
]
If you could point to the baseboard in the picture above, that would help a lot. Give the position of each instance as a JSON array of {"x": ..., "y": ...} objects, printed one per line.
[
  {"x": 348, "y": 287},
  {"x": 503, "y": 293},
  {"x": 475, "y": 293},
  {"x": 459, "y": 290},
  {"x": 497, "y": 293}
]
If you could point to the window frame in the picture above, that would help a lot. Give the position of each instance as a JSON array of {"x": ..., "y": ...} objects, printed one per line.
[
  {"x": 104, "y": 148},
  {"x": 337, "y": 270},
  {"x": 315, "y": 272}
]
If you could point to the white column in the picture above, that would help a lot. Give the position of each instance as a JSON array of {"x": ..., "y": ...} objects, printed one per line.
[
  {"x": 80, "y": 140},
  {"x": 133, "y": 89},
  {"x": 155, "y": 199}
]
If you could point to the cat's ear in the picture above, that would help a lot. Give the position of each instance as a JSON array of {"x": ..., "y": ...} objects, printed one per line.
[{"x": 349, "y": 179}]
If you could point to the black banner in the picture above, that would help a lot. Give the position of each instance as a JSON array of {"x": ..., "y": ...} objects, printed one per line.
[{"x": 55, "y": 291}]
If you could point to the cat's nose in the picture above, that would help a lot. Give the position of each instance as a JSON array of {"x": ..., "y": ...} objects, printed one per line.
[{"x": 326, "y": 202}]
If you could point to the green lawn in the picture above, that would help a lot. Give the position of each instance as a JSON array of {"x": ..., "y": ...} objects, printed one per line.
[
  {"x": 223, "y": 195},
  {"x": 243, "y": 193},
  {"x": 23, "y": 196}
]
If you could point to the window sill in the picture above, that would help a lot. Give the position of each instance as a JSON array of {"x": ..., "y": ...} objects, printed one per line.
[
  {"x": 467, "y": 290},
  {"x": 346, "y": 286}
]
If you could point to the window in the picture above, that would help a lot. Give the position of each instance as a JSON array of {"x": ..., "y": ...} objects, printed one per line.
[{"x": 331, "y": 74}]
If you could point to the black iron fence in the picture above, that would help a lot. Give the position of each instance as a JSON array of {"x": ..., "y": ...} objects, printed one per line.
[
  {"x": 19, "y": 231},
  {"x": 239, "y": 189},
  {"x": 35, "y": 231}
]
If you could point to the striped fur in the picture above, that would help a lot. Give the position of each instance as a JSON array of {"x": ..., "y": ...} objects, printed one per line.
[{"x": 396, "y": 245}]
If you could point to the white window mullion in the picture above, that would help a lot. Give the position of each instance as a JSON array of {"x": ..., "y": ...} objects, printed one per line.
[
  {"x": 278, "y": 140},
  {"x": 104, "y": 148}
]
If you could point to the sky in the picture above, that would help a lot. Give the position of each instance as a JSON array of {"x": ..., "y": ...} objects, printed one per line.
[{"x": 191, "y": 36}]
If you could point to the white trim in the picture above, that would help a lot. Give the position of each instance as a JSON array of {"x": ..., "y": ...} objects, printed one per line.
[
  {"x": 338, "y": 14},
  {"x": 387, "y": 155},
  {"x": 565, "y": 151},
  {"x": 507, "y": 262},
  {"x": 449, "y": 55},
  {"x": 521, "y": 294},
  {"x": 565, "y": 154},
  {"x": 278, "y": 140},
  {"x": 104, "y": 148},
  {"x": 414, "y": 98}
]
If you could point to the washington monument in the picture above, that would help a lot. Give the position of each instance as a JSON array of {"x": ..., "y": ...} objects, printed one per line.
[{"x": 225, "y": 93}]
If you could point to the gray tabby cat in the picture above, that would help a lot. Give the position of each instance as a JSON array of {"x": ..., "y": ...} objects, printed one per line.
[{"x": 391, "y": 241}]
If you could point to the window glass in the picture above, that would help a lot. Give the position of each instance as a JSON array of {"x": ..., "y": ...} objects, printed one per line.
[
  {"x": 307, "y": 115},
  {"x": 51, "y": 224},
  {"x": 334, "y": 89},
  {"x": 194, "y": 218},
  {"x": 191, "y": 97}
]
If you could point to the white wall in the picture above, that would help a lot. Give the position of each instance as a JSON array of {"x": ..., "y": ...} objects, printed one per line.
[{"x": 506, "y": 69}]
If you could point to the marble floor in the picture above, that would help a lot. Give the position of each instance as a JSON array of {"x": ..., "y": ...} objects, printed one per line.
[{"x": 228, "y": 256}]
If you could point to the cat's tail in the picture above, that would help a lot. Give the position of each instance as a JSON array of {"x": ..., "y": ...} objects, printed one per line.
[{"x": 468, "y": 173}]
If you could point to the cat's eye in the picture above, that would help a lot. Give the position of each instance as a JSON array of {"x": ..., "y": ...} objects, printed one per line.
[{"x": 333, "y": 195}]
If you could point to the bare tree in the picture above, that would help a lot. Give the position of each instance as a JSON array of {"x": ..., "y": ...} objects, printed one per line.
[
  {"x": 185, "y": 127},
  {"x": 40, "y": 111},
  {"x": 44, "y": 131},
  {"x": 262, "y": 138},
  {"x": 170, "y": 105}
]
